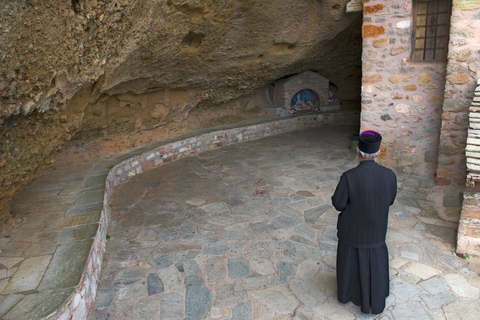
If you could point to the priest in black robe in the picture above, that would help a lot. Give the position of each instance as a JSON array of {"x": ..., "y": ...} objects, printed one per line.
[{"x": 364, "y": 195}]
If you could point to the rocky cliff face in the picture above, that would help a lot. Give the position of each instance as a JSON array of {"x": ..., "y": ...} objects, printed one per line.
[{"x": 133, "y": 71}]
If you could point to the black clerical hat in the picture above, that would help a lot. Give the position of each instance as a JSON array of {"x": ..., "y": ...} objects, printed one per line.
[{"x": 369, "y": 141}]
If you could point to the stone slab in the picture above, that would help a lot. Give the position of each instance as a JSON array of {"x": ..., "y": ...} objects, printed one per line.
[
  {"x": 285, "y": 270},
  {"x": 422, "y": 270},
  {"x": 437, "y": 301},
  {"x": 215, "y": 249},
  {"x": 41, "y": 249},
  {"x": 85, "y": 209},
  {"x": 312, "y": 215},
  {"x": 78, "y": 233},
  {"x": 306, "y": 231},
  {"x": 278, "y": 299},
  {"x": 238, "y": 268},
  {"x": 95, "y": 182},
  {"x": 307, "y": 292},
  {"x": 409, "y": 311},
  {"x": 242, "y": 311},
  {"x": 198, "y": 298},
  {"x": 403, "y": 290},
  {"x": 28, "y": 275},
  {"x": 464, "y": 310},
  {"x": 104, "y": 298},
  {"x": 229, "y": 293},
  {"x": 461, "y": 286},
  {"x": 77, "y": 220},
  {"x": 434, "y": 285},
  {"x": 171, "y": 306},
  {"x": 133, "y": 290},
  {"x": 9, "y": 262},
  {"x": 163, "y": 261},
  {"x": 215, "y": 269},
  {"x": 8, "y": 302},
  {"x": 307, "y": 269},
  {"x": 333, "y": 310},
  {"x": 146, "y": 309},
  {"x": 38, "y": 305},
  {"x": 67, "y": 265},
  {"x": 327, "y": 283},
  {"x": 262, "y": 266},
  {"x": 259, "y": 282},
  {"x": 154, "y": 284},
  {"x": 171, "y": 278},
  {"x": 91, "y": 196}
]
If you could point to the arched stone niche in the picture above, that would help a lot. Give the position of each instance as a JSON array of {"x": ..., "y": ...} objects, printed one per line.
[{"x": 306, "y": 92}]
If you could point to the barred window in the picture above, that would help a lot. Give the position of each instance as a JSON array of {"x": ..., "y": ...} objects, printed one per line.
[{"x": 430, "y": 38}]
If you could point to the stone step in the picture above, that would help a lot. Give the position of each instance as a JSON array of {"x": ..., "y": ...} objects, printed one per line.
[
  {"x": 473, "y": 148},
  {"x": 473, "y": 167},
  {"x": 471, "y": 155},
  {"x": 475, "y": 125},
  {"x": 472, "y": 141}
]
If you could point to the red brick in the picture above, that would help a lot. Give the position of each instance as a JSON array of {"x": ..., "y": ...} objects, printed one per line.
[
  {"x": 370, "y": 30},
  {"x": 373, "y": 9},
  {"x": 470, "y": 213},
  {"x": 468, "y": 230},
  {"x": 372, "y": 78}
]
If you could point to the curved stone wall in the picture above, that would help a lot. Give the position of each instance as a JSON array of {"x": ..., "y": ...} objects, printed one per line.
[{"x": 140, "y": 161}]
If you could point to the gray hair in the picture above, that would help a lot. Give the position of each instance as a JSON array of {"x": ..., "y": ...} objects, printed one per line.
[{"x": 369, "y": 155}]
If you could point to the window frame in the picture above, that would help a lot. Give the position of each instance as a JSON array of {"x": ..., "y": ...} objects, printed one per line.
[{"x": 414, "y": 33}]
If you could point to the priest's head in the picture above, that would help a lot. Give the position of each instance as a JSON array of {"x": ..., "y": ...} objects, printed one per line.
[{"x": 369, "y": 145}]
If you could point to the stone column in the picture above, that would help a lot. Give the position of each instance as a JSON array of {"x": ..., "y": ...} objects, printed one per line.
[
  {"x": 463, "y": 70},
  {"x": 468, "y": 238}
]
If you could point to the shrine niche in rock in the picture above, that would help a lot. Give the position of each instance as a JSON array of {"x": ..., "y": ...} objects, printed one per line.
[
  {"x": 305, "y": 100},
  {"x": 306, "y": 92}
]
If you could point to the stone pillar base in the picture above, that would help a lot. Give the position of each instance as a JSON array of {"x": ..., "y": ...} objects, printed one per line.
[{"x": 468, "y": 237}]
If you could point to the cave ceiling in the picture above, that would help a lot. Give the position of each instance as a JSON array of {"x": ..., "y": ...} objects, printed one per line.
[{"x": 78, "y": 69}]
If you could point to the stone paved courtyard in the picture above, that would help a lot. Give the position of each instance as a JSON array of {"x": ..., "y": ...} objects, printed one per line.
[{"x": 248, "y": 232}]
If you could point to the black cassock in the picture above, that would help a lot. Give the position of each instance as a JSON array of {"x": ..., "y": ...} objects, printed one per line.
[{"x": 364, "y": 195}]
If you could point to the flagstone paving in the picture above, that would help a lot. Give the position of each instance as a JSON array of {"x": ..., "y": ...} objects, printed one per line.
[
  {"x": 42, "y": 260},
  {"x": 248, "y": 232}
]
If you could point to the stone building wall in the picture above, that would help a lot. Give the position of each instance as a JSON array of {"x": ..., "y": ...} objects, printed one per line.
[
  {"x": 401, "y": 99},
  {"x": 463, "y": 70},
  {"x": 421, "y": 109}
]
